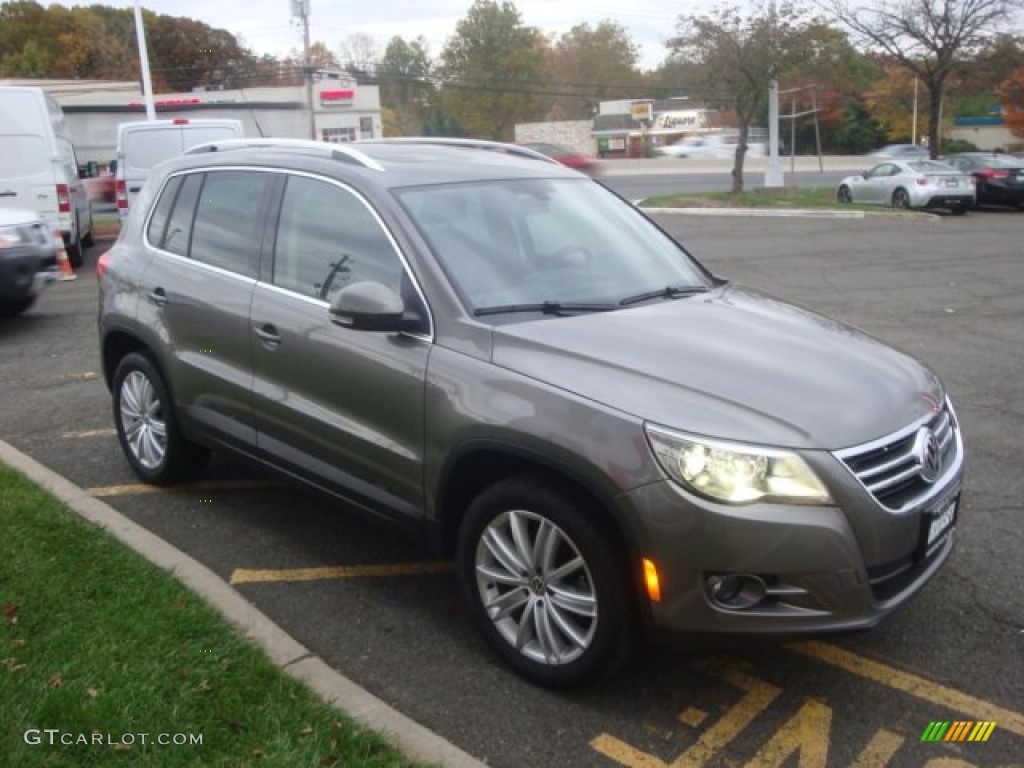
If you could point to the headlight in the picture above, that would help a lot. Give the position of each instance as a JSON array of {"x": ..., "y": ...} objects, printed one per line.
[
  {"x": 11, "y": 237},
  {"x": 735, "y": 473}
]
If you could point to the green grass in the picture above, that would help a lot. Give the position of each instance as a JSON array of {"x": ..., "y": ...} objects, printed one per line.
[
  {"x": 786, "y": 197},
  {"x": 95, "y": 640}
]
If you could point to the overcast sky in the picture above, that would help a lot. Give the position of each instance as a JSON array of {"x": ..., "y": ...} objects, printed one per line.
[{"x": 266, "y": 26}]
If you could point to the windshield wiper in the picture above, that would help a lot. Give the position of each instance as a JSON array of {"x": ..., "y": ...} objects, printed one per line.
[
  {"x": 668, "y": 292},
  {"x": 545, "y": 307}
]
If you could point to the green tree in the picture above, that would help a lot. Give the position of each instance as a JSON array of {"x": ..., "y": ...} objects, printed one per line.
[
  {"x": 1011, "y": 96},
  {"x": 492, "y": 68},
  {"x": 587, "y": 65},
  {"x": 407, "y": 91},
  {"x": 928, "y": 38},
  {"x": 736, "y": 55}
]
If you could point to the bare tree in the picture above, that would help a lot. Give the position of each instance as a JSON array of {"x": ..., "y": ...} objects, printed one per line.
[
  {"x": 927, "y": 37},
  {"x": 733, "y": 55},
  {"x": 359, "y": 53}
]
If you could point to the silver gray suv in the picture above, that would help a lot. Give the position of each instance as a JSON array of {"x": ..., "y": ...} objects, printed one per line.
[{"x": 503, "y": 355}]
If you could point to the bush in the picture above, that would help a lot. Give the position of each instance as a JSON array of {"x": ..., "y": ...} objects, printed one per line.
[{"x": 949, "y": 146}]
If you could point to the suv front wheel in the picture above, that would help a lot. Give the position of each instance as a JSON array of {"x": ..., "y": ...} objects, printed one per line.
[
  {"x": 146, "y": 424},
  {"x": 547, "y": 588}
]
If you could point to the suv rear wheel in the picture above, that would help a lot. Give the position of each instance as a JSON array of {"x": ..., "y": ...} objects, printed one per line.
[
  {"x": 147, "y": 427},
  {"x": 546, "y": 586}
]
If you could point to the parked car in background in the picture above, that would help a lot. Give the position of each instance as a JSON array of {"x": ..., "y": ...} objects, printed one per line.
[
  {"x": 999, "y": 178},
  {"x": 901, "y": 151},
  {"x": 910, "y": 184},
  {"x": 565, "y": 156},
  {"x": 39, "y": 167},
  {"x": 520, "y": 367},
  {"x": 709, "y": 146},
  {"x": 28, "y": 259},
  {"x": 144, "y": 144}
]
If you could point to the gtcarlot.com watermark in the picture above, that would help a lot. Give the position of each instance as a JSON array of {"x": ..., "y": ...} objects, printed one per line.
[{"x": 54, "y": 737}]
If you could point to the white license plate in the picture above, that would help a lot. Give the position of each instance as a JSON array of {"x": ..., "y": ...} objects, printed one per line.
[
  {"x": 940, "y": 524},
  {"x": 952, "y": 183}
]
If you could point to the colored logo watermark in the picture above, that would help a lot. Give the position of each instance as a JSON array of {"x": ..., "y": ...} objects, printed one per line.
[{"x": 961, "y": 730}]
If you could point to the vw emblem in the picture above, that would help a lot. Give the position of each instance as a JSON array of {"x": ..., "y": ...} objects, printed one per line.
[{"x": 926, "y": 449}]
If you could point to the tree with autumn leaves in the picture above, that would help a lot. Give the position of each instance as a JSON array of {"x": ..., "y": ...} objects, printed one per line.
[{"x": 496, "y": 70}]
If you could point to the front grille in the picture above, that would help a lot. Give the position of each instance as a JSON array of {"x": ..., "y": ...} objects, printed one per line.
[{"x": 892, "y": 469}]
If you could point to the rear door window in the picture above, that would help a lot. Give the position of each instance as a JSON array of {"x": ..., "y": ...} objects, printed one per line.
[
  {"x": 145, "y": 149},
  {"x": 214, "y": 217},
  {"x": 229, "y": 220}
]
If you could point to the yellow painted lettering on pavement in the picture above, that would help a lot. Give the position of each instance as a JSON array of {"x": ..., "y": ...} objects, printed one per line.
[
  {"x": 919, "y": 687},
  {"x": 758, "y": 697},
  {"x": 808, "y": 732},
  {"x": 879, "y": 751}
]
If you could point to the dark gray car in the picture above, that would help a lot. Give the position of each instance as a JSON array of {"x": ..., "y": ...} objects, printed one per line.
[{"x": 506, "y": 357}]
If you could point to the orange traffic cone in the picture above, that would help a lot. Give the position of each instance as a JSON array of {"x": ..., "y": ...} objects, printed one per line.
[{"x": 63, "y": 262}]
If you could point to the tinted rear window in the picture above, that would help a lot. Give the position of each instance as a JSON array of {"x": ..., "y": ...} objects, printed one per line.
[{"x": 145, "y": 149}]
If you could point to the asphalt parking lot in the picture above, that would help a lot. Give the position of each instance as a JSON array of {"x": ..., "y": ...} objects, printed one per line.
[{"x": 381, "y": 610}]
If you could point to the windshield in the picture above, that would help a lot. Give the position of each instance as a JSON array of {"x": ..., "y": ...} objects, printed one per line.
[{"x": 508, "y": 244}]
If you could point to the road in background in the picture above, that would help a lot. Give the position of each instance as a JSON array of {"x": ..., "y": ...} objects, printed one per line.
[{"x": 637, "y": 179}]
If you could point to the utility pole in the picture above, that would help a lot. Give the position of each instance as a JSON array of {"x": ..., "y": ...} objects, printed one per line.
[{"x": 300, "y": 8}]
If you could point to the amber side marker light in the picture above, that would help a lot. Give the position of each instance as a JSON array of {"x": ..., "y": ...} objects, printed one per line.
[{"x": 651, "y": 580}]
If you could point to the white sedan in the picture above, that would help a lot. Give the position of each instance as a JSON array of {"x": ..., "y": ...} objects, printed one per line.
[{"x": 910, "y": 184}]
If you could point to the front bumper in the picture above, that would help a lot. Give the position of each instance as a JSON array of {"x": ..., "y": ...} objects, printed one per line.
[
  {"x": 818, "y": 569},
  {"x": 26, "y": 271}
]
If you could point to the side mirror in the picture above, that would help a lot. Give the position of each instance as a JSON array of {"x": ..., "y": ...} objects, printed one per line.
[{"x": 370, "y": 306}]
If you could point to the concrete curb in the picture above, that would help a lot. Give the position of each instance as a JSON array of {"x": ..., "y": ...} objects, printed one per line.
[{"x": 416, "y": 742}]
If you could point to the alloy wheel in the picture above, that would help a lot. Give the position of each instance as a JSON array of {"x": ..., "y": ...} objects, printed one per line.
[
  {"x": 536, "y": 587},
  {"x": 142, "y": 418}
]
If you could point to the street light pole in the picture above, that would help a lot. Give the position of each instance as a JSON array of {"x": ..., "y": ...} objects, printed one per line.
[{"x": 147, "y": 83}]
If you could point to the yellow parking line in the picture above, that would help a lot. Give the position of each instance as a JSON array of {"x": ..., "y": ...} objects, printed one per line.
[
  {"x": 919, "y": 687},
  {"x": 248, "y": 576},
  {"x": 89, "y": 433},
  {"x": 211, "y": 485}
]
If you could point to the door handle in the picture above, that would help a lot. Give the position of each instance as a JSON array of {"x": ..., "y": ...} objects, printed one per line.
[
  {"x": 268, "y": 334},
  {"x": 158, "y": 297}
]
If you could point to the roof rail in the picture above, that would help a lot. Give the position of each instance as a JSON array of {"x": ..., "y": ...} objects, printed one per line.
[
  {"x": 342, "y": 152},
  {"x": 493, "y": 146}
]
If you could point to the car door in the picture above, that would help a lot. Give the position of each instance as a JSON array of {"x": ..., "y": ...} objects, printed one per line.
[
  {"x": 876, "y": 184},
  {"x": 205, "y": 234},
  {"x": 342, "y": 408}
]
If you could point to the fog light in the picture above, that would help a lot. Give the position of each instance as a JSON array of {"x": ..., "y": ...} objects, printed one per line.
[{"x": 735, "y": 591}]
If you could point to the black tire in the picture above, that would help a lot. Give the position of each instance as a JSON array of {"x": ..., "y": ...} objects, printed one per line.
[
  {"x": 843, "y": 195},
  {"x": 76, "y": 256},
  {"x": 900, "y": 199},
  {"x": 12, "y": 307},
  {"x": 147, "y": 427},
  {"x": 557, "y": 628},
  {"x": 960, "y": 210}
]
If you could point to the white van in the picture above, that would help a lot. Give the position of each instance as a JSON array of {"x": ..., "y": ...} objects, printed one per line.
[
  {"x": 145, "y": 144},
  {"x": 38, "y": 167}
]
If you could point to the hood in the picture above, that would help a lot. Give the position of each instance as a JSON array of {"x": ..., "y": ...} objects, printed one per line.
[{"x": 731, "y": 364}]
